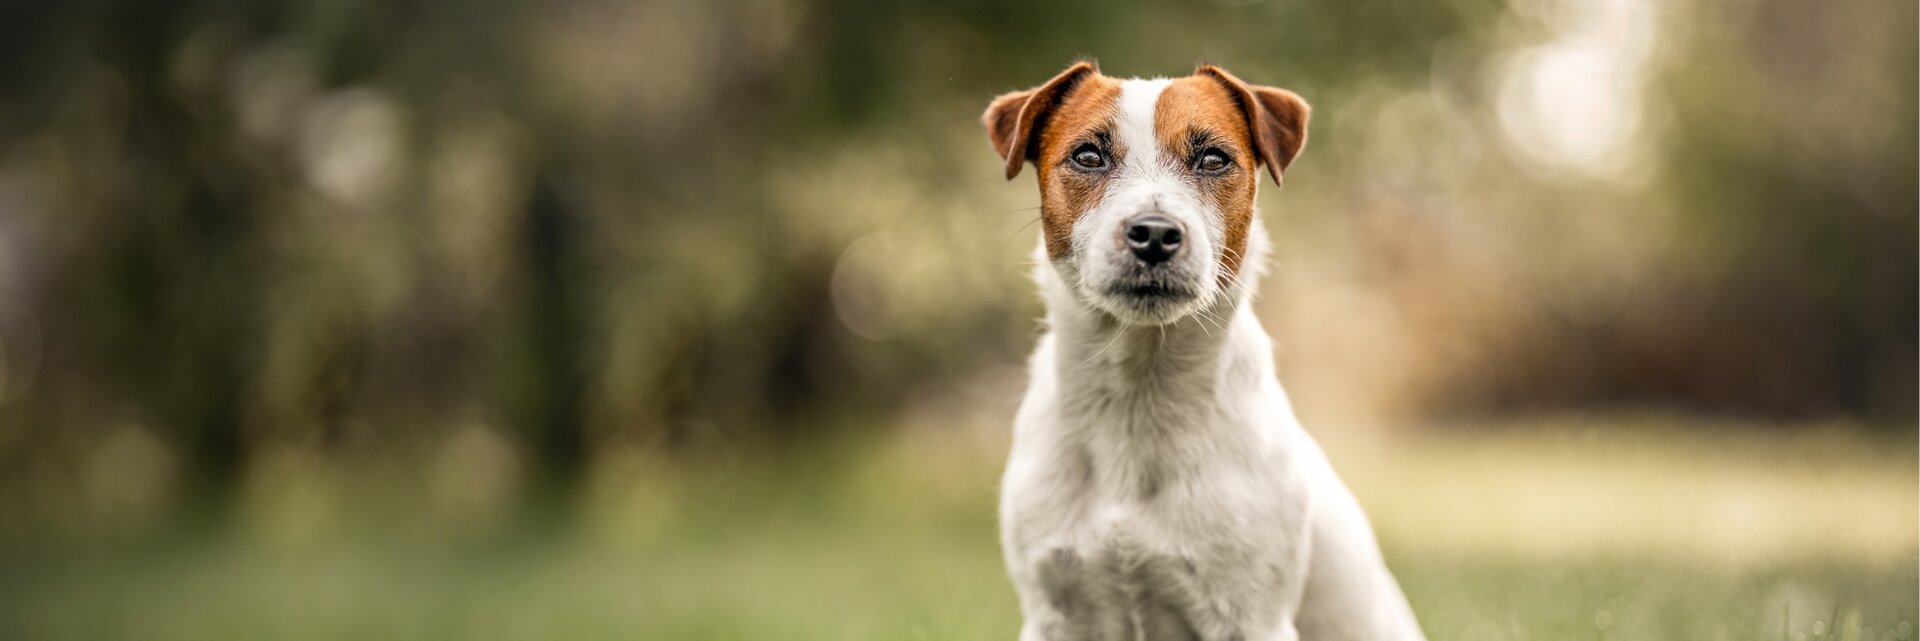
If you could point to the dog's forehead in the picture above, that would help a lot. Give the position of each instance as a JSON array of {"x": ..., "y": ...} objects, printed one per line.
[
  {"x": 1198, "y": 105},
  {"x": 1161, "y": 113},
  {"x": 1134, "y": 117},
  {"x": 1088, "y": 107},
  {"x": 1166, "y": 114}
]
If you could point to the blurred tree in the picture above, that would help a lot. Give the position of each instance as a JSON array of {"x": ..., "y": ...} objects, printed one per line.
[{"x": 356, "y": 227}]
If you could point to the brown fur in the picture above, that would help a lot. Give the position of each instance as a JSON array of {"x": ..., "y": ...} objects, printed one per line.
[
  {"x": 1050, "y": 121},
  {"x": 1196, "y": 105},
  {"x": 1277, "y": 117},
  {"x": 1015, "y": 119}
]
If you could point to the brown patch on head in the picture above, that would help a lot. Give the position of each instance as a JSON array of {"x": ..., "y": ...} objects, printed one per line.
[
  {"x": 1015, "y": 120},
  {"x": 1196, "y": 114},
  {"x": 1044, "y": 125},
  {"x": 1277, "y": 118}
]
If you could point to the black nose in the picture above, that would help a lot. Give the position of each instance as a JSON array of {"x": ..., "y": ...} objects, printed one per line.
[{"x": 1153, "y": 238}]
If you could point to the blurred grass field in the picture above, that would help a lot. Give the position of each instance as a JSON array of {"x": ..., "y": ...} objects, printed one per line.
[{"x": 1589, "y": 530}]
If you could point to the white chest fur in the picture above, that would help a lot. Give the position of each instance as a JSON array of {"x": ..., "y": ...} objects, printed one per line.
[{"x": 1153, "y": 491}]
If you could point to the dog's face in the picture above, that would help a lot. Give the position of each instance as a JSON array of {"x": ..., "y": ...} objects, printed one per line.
[{"x": 1147, "y": 186}]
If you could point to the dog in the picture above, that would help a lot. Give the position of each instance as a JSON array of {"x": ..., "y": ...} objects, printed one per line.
[{"x": 1159, "y": 486}]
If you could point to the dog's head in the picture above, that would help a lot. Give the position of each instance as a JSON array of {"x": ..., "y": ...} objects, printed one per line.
[{"x": 1147, "y": 186}]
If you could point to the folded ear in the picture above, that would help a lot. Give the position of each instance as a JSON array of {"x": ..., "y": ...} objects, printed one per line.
[
  {"x": 1276, "y": 118},
  {"x": 1014, "y": 120}
]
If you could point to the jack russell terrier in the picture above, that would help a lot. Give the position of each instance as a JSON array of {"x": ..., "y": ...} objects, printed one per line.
[{"x": 1159, "y": 486}]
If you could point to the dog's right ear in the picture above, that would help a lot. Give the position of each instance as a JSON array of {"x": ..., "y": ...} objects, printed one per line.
[
  {"x": 1277, "y": 118},
  {"x": 1014, "y": 120}
]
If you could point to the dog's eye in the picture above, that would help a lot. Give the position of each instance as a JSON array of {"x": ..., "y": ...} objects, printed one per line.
[
  {"x": 1088, "y": 156},
  {"x": 1212, "y": 161}
]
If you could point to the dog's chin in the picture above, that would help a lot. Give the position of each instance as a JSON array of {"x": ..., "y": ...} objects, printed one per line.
[{"x": 1147, "y": 303}]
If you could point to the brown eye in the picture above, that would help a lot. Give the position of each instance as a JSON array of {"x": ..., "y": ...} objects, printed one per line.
[
  {"x": 1089, "y": 157},
  {"x": 1212, "y": 161}
]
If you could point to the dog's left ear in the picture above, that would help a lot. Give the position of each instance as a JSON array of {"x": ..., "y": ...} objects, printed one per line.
[
  {"x": 1276, "y": 118},
  {"x": 1014, "y": 119}
]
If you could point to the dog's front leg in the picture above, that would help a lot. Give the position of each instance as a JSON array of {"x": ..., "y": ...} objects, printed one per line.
[{"x": 1225, "y": 607}]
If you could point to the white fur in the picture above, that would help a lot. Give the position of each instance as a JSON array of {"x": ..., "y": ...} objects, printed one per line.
[{"x": 1159, "y": 485}]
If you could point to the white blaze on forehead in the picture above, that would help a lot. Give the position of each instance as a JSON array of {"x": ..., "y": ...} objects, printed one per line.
[
  {"x": 1147, "y": 179},
  {"x": 1133, "y": 129}
]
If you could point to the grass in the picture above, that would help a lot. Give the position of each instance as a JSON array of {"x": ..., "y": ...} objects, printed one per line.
[{"x": 897, "y": 542}]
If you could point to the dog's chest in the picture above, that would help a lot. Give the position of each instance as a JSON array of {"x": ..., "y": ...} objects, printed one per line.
[{"x": 1204, "y": 558}]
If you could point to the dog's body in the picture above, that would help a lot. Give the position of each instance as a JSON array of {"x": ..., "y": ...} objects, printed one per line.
[{"x": 1159, "y": 486}]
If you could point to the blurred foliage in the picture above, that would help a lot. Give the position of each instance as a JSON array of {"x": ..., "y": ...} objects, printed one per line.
[{"x": 234, "y": 234}]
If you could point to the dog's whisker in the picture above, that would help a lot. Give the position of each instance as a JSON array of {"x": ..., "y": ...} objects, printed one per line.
[
  {"x": 1202, "y": 320},
  {"x": 1103, "y": 350},
  {"x": 1205, "y": 318},
  {"x": 1022, "y": 228},
  {"x": 1210, "y": 319}
]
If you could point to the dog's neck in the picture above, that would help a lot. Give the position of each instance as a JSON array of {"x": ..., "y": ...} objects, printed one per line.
[
  {"x": 1100, "y": 352},
  {"x": 1160, "y": 376},
  {"x": 1150, "y": 405}
]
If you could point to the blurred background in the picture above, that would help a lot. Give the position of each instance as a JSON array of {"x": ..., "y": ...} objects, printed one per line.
[{"x": 684, "y": 319}]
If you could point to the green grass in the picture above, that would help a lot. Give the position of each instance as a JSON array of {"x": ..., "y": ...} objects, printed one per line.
[
  {"x": 787, "y": 578},
  {"x": 897, "y": 545}
]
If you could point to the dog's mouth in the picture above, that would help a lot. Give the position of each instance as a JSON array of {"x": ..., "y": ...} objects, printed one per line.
[
  {"x": 1152, "y": 291},
  {"x": 1139, "y": 294},
  {"x": 1149, "y": 298}
]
